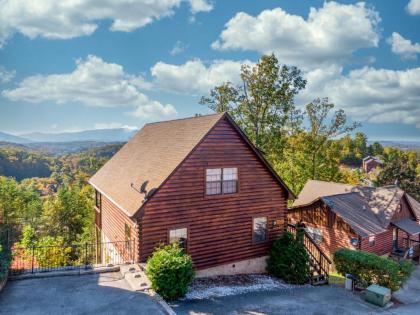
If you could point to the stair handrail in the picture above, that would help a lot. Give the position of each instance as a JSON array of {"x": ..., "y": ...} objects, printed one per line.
[{"x": 319, "y": 250}]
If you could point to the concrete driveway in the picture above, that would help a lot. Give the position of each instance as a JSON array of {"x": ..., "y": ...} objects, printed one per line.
[
  {"x": 105, "y": 293},
  {"x": 410, "y": 291},
  {"x": 299, "y": 301}
]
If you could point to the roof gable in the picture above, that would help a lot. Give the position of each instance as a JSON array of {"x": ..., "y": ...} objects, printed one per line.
[{"x": 154, "y": 154}]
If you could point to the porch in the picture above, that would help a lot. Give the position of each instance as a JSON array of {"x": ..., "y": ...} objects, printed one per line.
[{"x": 408, "y": 246}]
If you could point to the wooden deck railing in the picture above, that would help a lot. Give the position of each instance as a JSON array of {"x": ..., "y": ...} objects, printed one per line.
[{"x": 314, "y": 251}]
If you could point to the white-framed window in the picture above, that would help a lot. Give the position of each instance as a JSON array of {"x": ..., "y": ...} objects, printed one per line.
[
  {"x": 221, "y": 181},
  {"x": 259, "y": 229},
  {"x": 371, "y": 241},
  {"x": 314, "y": 233},
  {"x": 180, "y": 236}
]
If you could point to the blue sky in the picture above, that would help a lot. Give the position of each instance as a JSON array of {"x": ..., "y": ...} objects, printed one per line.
[{"x": 74, "y": 67}]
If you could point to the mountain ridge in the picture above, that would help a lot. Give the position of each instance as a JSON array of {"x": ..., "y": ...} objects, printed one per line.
[{"x": 98, "y": 135}]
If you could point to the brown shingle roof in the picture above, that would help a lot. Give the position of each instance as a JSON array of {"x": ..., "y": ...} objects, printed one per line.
[
  {"x": 151, "y": 155},
  {"x": 314, "y": 189},
  {"x": 354, "y": 210},
  {"x": 367, "y": 210}
]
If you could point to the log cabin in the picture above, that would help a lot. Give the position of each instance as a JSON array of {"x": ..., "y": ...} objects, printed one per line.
[
  {"x": 198, "y": 181},
  {"x": 383, "y": 220},
  {"x": 370, "y": 163}
]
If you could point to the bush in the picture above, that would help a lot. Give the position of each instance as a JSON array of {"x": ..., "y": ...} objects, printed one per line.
[
  {"x": 288, "y": 260},
  {"x": 171, "y": 271},
  {"x": 370, "y": 268}
]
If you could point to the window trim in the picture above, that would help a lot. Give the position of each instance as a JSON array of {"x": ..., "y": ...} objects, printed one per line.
[
  {"x": 267, "y": 236},
  {"x": 221, "y": 182},
  {"x": 178, "y": 227}
]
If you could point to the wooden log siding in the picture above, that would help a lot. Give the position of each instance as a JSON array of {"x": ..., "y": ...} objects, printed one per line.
[
  {"x": 335, "y": 232},
  {"x": 113, "y": 224},
  {"x": 219, "y": 226}
]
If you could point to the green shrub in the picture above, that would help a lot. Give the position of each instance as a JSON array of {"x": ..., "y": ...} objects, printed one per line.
[
  {"x": 288, "y": 260},
  {"x": 370, "y": 268},
  {"x": 170, "y": 271}
]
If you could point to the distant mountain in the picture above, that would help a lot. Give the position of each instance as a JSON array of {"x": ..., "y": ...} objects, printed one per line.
[
  {"x": 6, "y": 137},
  {"x": 99, "y": 135}
]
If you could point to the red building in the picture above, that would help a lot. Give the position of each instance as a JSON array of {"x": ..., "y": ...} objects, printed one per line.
[
  {"x": 370, "y": 163},
  {"x": 198, "y": 181},
  {"x": 382, "y": 220}
]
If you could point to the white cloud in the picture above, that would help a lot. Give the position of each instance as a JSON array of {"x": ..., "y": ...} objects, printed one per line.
[
  {"x": 69, "y": 18},
  {"x": 413, "y": 7},
  {"x": 200, "y": 6},
  {"x": 403, "y": 47},
  {"x": 94, "y": 82},
  {"x": 368, "y": 94},
  {"x": 6, "y": 75},
  {"x": 330, "y": 35},
  {"x": 113, "y": 125},
  {"x": 178, "y": 48},
  {"x": 194, "y": 77}
]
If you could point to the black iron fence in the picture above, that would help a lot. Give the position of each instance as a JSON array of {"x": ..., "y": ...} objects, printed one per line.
[{"x": 36, "y": 259}]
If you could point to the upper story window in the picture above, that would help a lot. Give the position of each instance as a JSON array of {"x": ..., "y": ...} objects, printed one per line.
[
  {"x": 221, "y": 181},
  {"x": 98, "y": 199},
  {"x": 180, "y": 236}
]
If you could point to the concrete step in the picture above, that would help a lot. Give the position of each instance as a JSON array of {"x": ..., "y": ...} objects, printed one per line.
[{"x": 136, "y": 277}]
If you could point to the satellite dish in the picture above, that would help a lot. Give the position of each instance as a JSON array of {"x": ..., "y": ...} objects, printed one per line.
[
  {"x": 150, "y": 193},
  {"x": 143, "y": 187}
]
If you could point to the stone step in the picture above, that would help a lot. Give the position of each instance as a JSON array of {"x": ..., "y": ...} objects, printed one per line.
[{"x": 135, "y": 277}]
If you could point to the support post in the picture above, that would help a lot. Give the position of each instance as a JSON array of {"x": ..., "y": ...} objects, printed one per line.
[
  {"x": 33, "y": 256},
  {"x": 86, "y": 259}
]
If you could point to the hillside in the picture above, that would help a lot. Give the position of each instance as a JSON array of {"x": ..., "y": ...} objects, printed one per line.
[{"x": 22, "y": 162}]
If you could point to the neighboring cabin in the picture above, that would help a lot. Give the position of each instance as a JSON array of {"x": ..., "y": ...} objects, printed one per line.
[
  {"x": 376, "y": 220},
  {"x": 370, "y": 163},
  {"x": 198, "y": 181}
]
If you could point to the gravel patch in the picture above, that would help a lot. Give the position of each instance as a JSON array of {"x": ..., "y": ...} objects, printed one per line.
[{"x": 204, "y": 288}]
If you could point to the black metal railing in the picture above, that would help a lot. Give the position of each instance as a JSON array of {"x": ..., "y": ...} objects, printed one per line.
[
  {"x": 36, "y": 259},
  {"x": 314, "y": 251}
]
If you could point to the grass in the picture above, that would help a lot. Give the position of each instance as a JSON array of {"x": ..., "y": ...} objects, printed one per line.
[{"x": 337, "y": 279}]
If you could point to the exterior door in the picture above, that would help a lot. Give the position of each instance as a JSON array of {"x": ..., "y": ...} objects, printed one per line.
[{"x": 394, "y": 238}]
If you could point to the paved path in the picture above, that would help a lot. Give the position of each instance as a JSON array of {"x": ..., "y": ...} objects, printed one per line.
[
  {"x": 301, "y": 301},
  {"x": 89, "y": 294},
  {"x": 410, "y": 292}
]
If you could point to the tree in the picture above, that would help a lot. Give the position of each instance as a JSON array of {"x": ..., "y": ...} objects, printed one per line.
[
  {"x": 69, "y": 214},
  {"x": 360, "y": 145},
  {"x": 262, "y": 104},
  {"x": 376, "y": 149},
  {"x": 320, "y": 132},
  {"x": 401, "y": 168}
]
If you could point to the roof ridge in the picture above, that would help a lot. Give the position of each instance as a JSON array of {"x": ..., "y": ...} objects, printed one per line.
[
  {"x": 328, "y": 182},
  {"x": 184, "y": 118}
]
